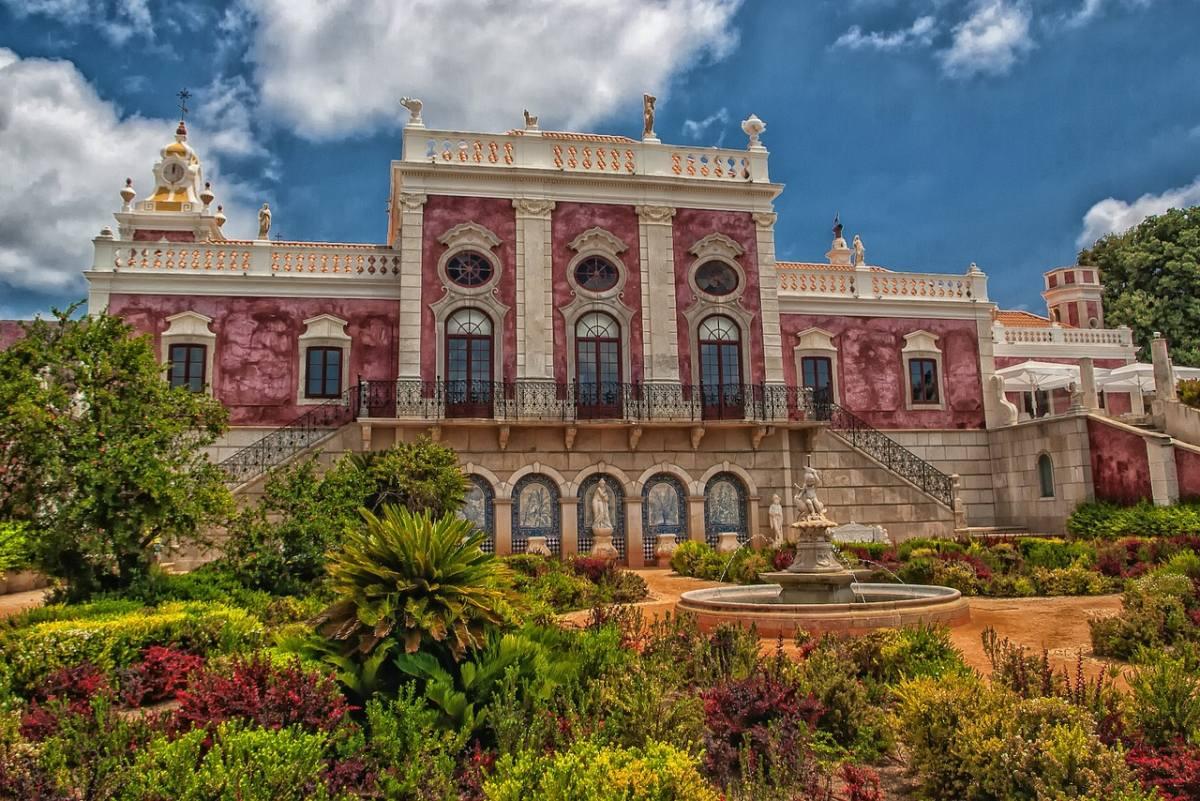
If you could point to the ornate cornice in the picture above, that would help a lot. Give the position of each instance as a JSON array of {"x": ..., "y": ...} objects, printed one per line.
[
  {"x": 655, "y": 214},
  {"x": 597, "y": 239},
  {"x": 765, "y": 219},
  {"x": 469, "y": 234},
  {"x": 533, "y": 207},
  {"x": 716, "y": 244}
]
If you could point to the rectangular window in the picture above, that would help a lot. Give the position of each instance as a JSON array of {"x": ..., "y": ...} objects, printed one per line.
[
  {"x": 1089, "y": 277},
  {"x": 817, "y": 375},
  {"x": 1052, "y": 281},
  {"x": 323, "y": 376},
  {"x": 1069, "y": 277},
  {"x": 187, "y": 366},
  {"x": 923, "y": 376}
]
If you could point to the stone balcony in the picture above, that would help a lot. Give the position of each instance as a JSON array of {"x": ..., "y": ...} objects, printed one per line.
[
  {"x": 1056, "y": 341},
  {"x": 584, "y": 153},
  {"x": 824, "y": 281}
]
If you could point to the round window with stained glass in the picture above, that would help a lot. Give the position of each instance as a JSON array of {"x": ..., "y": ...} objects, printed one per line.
[
  {"x": 716, "y": 278},
  {"x": 469, "y": 269},
  {"x": 596, "y": 274}
]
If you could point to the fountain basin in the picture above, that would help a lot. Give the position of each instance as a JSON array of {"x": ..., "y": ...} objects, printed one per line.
[{"x": 882, "y": 606}]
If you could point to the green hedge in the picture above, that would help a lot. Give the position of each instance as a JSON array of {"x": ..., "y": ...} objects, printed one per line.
[
  {"x": 1109, "y": 521},
  {"x": 111, "y": 635}
]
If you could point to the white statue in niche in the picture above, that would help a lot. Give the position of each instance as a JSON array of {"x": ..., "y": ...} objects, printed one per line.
[
  {"x": 601, "y": 518},
  {"x": 775, "y": 515},
  {"x": 807, "y": 499}
]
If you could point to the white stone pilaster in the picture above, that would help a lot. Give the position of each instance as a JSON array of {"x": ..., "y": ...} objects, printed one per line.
[
  {"x": 764, "y": 223},
  {"x": 412, "y": 225},
  {"x": 535, "y": 289},
  {"x": 1164, "y": 478},
  {"x": 660, "y": 342}
]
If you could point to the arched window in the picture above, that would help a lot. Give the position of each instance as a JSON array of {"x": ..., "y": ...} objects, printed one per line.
[
  {"x": 725, "y": 507},
  {"x": 469, "y": 364},
  {"x": 536, "y": 513},
  {"x": 479, "y": 504},
  {"x": 1046, "y": 475},
  {"x": 587, "y": 515},
  {"x": 664, "y": 511},
  {"x": 598, "y": 366},
  {"x": 720, "y": 351}
]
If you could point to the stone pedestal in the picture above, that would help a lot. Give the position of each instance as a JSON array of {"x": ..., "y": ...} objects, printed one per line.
[
  {"x": 538, "y": 546},
  {"x": 815, "y": 575},
  {"x": 602, "y": 543},
  {"x": 665, "y": 549},
  {"x": 727, "y": 542}
]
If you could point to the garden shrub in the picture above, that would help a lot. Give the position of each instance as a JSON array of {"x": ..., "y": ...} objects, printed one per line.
[
  {"x": 14, "y": 546},
  {"x": 242, "y": 764},
  {"x": 847, "y": 716},
  {"x": 259, "y": 692},
  {"x": 1164, "y": 701},
  {"x": 1055, "y": 553},
  {"x": 910, "y": 547},
  {"x": 1154, "y": 613},
  {"x": 688, "y": 556},
  {"x": 562, "y": 591},
  {"x": 763, "y": 714},
  {"x": 111, "y": 640},
  {"x": 161, "y": 673},
  {"x": 1174, "y": 770},
  {"x": 970, "y": 742},
  {"x": 590, "y": 771},
  {"x": 1073, "y": 580},
  {"x": 1183, "y": 563},
  {"x": 1109, "y": 521},
  {"x": 918, "y": 570},
  {"x": 890, "y": 655},
  {"x": 66, "y": 692},
  {"x": 415, "y": 759},
  {"x": 674, "y": 645},
  {"x": 423, "y": 476}
]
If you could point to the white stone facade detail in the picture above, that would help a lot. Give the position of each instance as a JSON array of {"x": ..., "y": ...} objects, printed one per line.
[
  {"x": 412, "y": 224},
  {"x": 660, "y": 340},
  {"x": 534, "y": 287}
]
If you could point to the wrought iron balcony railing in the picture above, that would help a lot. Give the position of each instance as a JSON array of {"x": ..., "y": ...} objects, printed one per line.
[{"x": 551, "y": 401}]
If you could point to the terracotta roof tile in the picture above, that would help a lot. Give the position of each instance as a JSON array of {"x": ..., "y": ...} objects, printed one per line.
[{"x": 1021, "y": 319}]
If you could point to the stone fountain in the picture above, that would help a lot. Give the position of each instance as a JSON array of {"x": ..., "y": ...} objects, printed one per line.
[{"x": 817, "y": 593}]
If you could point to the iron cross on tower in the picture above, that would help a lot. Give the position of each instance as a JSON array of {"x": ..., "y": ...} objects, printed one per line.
[{"x": 184, "y": 95}]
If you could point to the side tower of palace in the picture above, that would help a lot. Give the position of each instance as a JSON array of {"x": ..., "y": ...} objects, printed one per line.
[{"x": 566, "y": 309}]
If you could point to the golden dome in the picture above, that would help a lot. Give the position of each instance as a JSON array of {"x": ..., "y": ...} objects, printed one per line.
[{"x": 176, "y": 149}]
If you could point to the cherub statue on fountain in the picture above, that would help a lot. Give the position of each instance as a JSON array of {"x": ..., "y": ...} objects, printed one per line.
[{"x": 807, "y": 499}]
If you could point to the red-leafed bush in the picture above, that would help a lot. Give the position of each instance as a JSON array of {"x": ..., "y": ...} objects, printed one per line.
[
  {"x": 66, "y": 692},
  {"x": 783, "y": 558},
  {"x": 162, "y": 673},
  {"x": 594, "y": 568},
  {"x": 258, "y": 691},
  {"x": 471, "y": 775},
  {"x": 861, "y": 784},
  {"x": 763, "y": 714},
  {"x": 1174, "y": 770},
  {"x": 982, "y": 571}
]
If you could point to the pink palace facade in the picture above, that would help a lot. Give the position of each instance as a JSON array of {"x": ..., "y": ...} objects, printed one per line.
[{"x": 566, "y": 309}]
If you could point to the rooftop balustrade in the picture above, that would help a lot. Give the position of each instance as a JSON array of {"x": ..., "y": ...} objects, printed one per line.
[{"x": 798, "y": 280}]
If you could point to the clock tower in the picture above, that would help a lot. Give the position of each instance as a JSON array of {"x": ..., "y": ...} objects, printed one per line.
[{"x": 180, "y": 208}]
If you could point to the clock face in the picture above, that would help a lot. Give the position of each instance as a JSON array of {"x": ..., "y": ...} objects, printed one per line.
[{"x": 173, "y": 171}]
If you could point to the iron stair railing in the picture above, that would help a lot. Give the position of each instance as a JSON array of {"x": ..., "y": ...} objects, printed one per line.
[
  {"x": 286, "y": 441},
  {"x": 864, "y": 437}
]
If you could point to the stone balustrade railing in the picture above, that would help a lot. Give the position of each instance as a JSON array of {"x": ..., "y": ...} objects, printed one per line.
[
  {"x": 822, "y": 281},
  {"x": 248, "y": 258},
  {"x": 598, "y": 155},
  {"x": 1056, "y": 335}
]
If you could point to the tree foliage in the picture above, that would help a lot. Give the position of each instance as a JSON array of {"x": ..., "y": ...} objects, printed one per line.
[
  {"x": 1151, "y": 279},
  {"x": 421, "y": 476},
  {"x": 99, "y": 454}
]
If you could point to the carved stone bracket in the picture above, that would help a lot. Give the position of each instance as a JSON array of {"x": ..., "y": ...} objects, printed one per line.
[
  {"x": 760, "y": 433},
  {"x": 502, "y": 437},
  {"x": 697, "y": 435},
  {"x": 533, "y": 207},
  {"x": 569, "y": 434},
  {"x": 635, "y": 436},
  {"x": 655, "y": 214},
  {"x": 411, "y": 201},
  {"x": 765, "y": 219}
]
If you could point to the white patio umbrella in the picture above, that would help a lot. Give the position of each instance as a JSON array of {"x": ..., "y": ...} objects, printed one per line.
[
  {"x": 1139, "y": 377},
  {"x": 1031, "y": 376}
]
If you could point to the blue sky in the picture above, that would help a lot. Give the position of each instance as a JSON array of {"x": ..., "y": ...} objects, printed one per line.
[{"x": 1004, "y": 132}]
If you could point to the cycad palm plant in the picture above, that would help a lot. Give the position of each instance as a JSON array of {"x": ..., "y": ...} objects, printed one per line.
[{"x": 407, "y": 577}]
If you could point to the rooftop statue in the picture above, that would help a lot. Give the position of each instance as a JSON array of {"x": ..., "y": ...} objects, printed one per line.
[
  {"x": 264, "y": 221},
  {"x": 414, "y": 106},
  {"x": 860, "y": 252},
  {"x": 648, "y": 116},
  {"x": 531, "y": 120}
]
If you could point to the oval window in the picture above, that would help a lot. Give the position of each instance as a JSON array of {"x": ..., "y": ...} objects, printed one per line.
[
  {"x": 469, "y": 269},
  {"x": 716, "y": 278},
  {"x": 596, "y": 274}
]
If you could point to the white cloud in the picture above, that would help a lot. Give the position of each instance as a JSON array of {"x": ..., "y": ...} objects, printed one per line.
[
  {"x": 1088, "y": 10},
  {"x": 695, "y": 129},
  {"x": 65, "y": 153},
  {"x": 118, "y": 20},
  {"x": 989, "y": 41},
  {"x": 920, "y": 33},
  {"x": 1112, "y": 215},
  {"x": 334, "y": 68}
]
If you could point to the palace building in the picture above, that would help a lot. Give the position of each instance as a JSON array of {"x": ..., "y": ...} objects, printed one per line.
[{"x": 570, "y": 309}]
